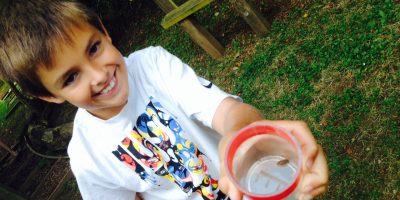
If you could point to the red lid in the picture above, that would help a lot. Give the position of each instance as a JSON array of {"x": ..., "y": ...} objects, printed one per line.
[{"x": 254, "y": 130}]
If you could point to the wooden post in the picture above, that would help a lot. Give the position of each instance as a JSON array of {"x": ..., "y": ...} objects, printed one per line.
[
  {"x": 198, "y": 33},
  {"x": 203, "y": 38},
  {"x": 256, "y": 21}
]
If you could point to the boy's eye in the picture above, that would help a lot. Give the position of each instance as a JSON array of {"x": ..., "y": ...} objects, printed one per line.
[
  {"x": 94, "y": 48},
  {"x": 70, "y": 79}
]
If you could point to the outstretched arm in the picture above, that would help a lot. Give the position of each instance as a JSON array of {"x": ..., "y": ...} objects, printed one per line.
[{"x": 232, "y": 115}]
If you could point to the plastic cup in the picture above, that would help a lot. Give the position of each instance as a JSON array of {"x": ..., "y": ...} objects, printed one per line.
[{"x": 264, "y": 162}]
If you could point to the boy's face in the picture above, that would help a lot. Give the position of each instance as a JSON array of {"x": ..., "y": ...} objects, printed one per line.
[{"x": 90, "y": 73}]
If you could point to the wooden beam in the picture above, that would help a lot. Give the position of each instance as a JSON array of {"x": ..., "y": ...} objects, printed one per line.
[
  {"x": 203, "y": 38},
  {"x": 183, "y": 11},
  {"x": 256, "y": 21},
  {"x": 198, "y": 33}
]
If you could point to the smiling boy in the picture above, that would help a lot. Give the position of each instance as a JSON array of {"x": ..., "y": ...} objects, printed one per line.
[
  {"x": 145, "y": 122},
  {"x": 102, "y": 91}
]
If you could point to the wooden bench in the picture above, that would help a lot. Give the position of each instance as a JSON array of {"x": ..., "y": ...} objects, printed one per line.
[{"x": 182, "y": 15}]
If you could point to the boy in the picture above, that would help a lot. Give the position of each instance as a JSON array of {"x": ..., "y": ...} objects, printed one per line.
[{"x": 141, "y": 126}]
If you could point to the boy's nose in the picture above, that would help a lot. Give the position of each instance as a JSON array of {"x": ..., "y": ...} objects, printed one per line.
[{"x": 98, "y": 75}]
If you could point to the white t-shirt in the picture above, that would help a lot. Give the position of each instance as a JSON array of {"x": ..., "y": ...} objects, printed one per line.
[{"x": 158, "y": 144}]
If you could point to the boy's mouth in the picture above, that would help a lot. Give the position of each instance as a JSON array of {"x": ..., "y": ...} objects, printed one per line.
[
  {"x": 110, "y": 86},
  {"x": 109, "y": 89}
]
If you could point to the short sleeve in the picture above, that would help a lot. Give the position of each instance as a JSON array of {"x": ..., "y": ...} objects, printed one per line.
[{"x": 198, "y": 97}]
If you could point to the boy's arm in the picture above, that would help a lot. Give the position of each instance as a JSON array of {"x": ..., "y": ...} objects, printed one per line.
[{"x": 232, "y": 115}]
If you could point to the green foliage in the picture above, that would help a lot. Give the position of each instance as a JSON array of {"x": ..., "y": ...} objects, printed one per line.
[
  {"x": 3, "y": 110},
  {"x": 6, "y": 107}
]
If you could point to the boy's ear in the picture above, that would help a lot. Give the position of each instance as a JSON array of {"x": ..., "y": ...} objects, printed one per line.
[{"x": 52, "y": 99}]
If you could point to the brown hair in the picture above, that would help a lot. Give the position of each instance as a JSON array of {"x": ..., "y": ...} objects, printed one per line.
[{"x": 29, "y": 33}]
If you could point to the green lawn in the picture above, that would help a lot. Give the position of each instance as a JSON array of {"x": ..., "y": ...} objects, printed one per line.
[{"x": 333, "y": 64}]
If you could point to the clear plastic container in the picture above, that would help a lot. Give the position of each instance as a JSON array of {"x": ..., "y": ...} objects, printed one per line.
[{"x": 264, "y": 162}]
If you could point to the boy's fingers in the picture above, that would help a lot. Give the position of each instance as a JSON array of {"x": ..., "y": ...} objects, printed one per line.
[
  {"x": 223, "y": 185},
  {"x": 229, "y": 189},
  {"x": 235, "y": 194},
  {"x": 316, "y": 178},
  {"x": 303, "y": 134},
  {"x": 320, "y": 166},
  {"x": 307, "y": 141},
  {"x": 318, "y": 191}
]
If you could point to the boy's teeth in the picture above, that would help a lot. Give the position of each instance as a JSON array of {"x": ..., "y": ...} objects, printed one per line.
[{"x": 109, "y": 87}]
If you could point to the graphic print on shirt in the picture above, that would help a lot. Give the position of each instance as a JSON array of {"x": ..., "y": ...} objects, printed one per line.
[{"x": 156, "y": 146}]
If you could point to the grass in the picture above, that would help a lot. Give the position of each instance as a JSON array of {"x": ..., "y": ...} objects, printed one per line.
[{"x": 333, "y": 64}]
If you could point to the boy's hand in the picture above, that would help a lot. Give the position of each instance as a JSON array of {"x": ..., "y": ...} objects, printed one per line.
[
  {"x": 227, "y": 187},
  {"x": 315, "y": 168},
  {"x": 232, "y": 115}
]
